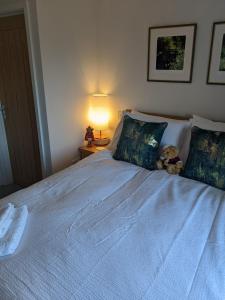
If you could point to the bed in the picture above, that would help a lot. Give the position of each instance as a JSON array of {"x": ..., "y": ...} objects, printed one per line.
[{"x": 105, "y": 229}]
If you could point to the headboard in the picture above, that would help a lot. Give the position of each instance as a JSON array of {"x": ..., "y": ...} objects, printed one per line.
[{"x": 162, "y": 115}]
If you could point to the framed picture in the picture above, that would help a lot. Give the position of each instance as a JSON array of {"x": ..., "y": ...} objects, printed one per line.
[
  {"x": 216, "y": 68},
  {"x": 171, "y": 53}
]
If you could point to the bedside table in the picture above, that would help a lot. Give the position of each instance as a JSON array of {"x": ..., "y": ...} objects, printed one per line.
[{"x": 86, "y": 151}]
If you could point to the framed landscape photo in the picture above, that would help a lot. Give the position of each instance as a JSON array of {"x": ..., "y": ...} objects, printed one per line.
[
  {"x": 171, "y": 53},
  {"x": 216, "y": 68}
]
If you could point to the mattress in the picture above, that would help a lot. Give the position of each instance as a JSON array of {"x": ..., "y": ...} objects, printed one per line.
[{"x": 105, "y": 229}]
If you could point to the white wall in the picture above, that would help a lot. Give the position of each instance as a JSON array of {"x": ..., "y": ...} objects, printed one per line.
[
  {"x": 67, "y": 31},
  {"x": 85, "y": 42},
  {"x": 123, "y": 33}
]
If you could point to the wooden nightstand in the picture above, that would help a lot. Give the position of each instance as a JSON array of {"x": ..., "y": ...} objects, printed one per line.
[{"x": 86, "y": 151}]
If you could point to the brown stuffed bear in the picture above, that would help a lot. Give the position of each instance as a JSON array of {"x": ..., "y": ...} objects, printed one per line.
[
  {"x": 170, "y": 160},
  {"x": 89, "y": 136}
]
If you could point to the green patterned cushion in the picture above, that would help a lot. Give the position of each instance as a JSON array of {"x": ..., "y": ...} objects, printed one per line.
[
  {"x": 139, "y": 142},
  {"x": 206, "y": 160}
]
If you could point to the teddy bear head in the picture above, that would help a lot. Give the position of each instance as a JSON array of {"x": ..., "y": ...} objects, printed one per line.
[{"x": 169, "y": 152}]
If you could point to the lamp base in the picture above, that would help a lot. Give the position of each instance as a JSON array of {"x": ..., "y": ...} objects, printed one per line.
[{"x": 101, "y": 141}]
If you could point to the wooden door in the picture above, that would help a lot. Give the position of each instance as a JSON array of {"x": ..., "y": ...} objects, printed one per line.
[{"x": 17, "y": 97}]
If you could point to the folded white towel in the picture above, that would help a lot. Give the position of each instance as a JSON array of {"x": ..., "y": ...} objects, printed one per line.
[
  {"x": 10, "y": 241},
  {"x": 6, "y": 215}
]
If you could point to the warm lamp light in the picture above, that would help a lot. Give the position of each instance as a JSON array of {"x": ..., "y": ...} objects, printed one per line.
[
  {"x": 98, "y": 116},
  {"x": 99, "y": 95}
]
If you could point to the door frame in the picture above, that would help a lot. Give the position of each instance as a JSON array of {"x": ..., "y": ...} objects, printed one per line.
[
  {"x": 28, "y": 8},
  {"x": 6, "y": 176}
]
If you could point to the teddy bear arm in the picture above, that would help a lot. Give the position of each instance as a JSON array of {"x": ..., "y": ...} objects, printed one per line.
[
  {"x": 166, "y": 162},
  {"x": 159, "y": 164}
]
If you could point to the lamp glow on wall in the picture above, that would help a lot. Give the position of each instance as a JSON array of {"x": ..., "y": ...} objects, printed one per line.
[{"x": 98, "y": 116}]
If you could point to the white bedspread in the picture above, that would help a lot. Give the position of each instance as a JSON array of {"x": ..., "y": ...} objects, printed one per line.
[{"x": 105, "y": 229}]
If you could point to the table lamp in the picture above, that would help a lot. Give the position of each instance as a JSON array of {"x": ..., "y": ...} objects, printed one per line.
[{"x": 99, "y": 117}]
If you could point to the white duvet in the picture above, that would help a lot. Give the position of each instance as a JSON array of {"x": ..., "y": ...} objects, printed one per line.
[{"x": 105, "y": 229}]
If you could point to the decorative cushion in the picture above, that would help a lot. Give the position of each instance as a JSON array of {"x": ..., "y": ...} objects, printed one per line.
[
  {"x": 139, "y": 142},
  {"x": 206, "y": 160},
  {"x": 177, "y": 133}
]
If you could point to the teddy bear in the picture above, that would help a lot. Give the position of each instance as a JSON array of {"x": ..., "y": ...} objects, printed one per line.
[
  {"x": 89, "y": 136},
  {"x": 170, "y": 160}
]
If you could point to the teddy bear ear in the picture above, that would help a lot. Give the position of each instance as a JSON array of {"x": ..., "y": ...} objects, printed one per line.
[{"x": 166, "y": 147}]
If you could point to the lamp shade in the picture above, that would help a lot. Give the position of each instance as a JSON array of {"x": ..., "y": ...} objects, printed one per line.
[{"x": 98, "y": 112}]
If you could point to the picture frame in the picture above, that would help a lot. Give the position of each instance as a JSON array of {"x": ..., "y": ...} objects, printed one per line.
[
  {"x": 171, "y": 53},
  {"x": 216, "y": 66}
]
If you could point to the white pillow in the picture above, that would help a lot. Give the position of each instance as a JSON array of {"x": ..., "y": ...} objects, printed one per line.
[
  {"x": 177, "y": 132},
  {"x": 207, "y": 124}
]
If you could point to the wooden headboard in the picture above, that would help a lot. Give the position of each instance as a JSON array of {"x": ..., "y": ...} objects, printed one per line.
[{"x": 162, "y": 115}]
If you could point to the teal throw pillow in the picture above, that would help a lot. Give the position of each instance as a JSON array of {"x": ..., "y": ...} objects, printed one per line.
[
  {"x": 139, "y": 142},
  {"x": 206, "y": 160}
]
